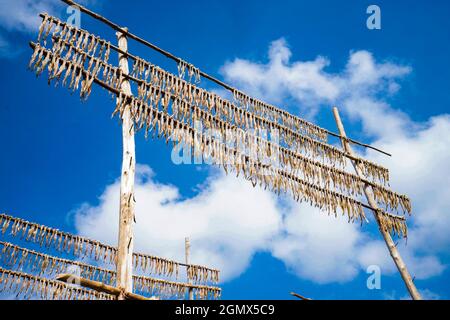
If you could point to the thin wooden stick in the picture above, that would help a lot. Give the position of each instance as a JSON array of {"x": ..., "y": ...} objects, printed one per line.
[
  {"x": 299, "y": 296},
  {"x": 101, "y": 287},
  {"x": 203, "y": 74},
  {"x": 127, "y": 215},
  {"x": 370, "y": 199}
]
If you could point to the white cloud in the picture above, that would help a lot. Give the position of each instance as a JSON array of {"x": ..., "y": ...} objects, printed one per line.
[
  {"x": 228, "y": 221},
  {"x": 4, "y": 47},
  {"x": 318, "y": 247},
  {"x": 22, "y": 15},
  {"x": 305, "y": 81},
  {"x": 419, "y": 166}
]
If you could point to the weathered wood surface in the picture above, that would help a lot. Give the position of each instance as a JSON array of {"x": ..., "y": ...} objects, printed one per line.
[
  {"x": 126, "y": 215},
  {"x": 393, "y": 251}
]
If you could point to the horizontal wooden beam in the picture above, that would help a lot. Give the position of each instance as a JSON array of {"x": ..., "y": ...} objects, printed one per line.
[{"x": 100, "y": 287}]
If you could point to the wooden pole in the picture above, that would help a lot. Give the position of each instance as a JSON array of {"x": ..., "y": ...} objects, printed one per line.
[
  {"x": 126, "y": 215},
  {"x": 100, "y": 287},
  {"x": 299, "y": 296},
  {"x": 187, "y": 247},
  {"x": 369, "y": 195}
]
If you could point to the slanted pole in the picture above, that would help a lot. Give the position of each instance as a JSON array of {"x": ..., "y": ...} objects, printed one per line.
[
  {"x": 401, "y": 266},
  {"x": 124, "y": 261},
  {"x": 187, "y": 247},
  {"x": 100, "y": 287}
]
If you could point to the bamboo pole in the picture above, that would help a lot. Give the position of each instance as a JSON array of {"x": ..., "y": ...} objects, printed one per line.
[
  {"x": 401, "y": 266},
  {"x": 126, "y": 215},
  {"x": 187, "y": 247},
  {"x": 100, "y": 287}
]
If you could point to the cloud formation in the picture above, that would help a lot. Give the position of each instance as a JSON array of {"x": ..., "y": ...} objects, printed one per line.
[
  {"x": 22, "y": 16},
  {"x": 227, "y": 221},
  {"x": 419, "y": 165}
]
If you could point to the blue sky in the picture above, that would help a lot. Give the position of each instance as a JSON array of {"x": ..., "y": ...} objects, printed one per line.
[{"x": 61, "y": 158}]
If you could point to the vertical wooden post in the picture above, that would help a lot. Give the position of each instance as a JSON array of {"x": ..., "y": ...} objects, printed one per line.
[
  {"x": 187, "y": 247},
  {"x": 371, "y": 200},
  {"x": 124, "y": 263}
]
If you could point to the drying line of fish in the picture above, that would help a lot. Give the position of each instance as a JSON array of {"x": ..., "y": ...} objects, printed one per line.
[
  {"x": 246, "y": 118},
  {"x": 43, "y": 264},
  {"x": 273, "y": 113},
  {"x": 186, "y": 91},
  {"x": 72, "y": 68},
  {"x": 29, "y": 286},
  {"x": 91, "y": 44},
  {"x": 39, "y": 263},
  {"x": 182, "y": 91},
  {"x": 164, "y": 288},
  {"x": 391, "y": 224},
  {"x": 184, "y": 94},
  {"x": 312, "y": 170},
  {"x": 326, "y": 201},
  {"x": 275, "y": 179},
  {"x": 83, "y": 247},
  {"x": 192, "y": 71}
]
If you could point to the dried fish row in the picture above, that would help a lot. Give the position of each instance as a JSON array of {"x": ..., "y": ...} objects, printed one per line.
[
  {"x": 193, "y": 72},
  {"x": 92, "y": 65},
  {"x": 83, "y": 247},
  {"x": 156, "y": 265},
  {"x": 334, "y": 178},
  {"x": 21, "y": 258},
  {"x": 72, "y": 68},
  {"x": 319, "y": 197},
  {"x": 392, "y": 224},
  {"x": 160, "y": 266},
  {"x": 224, "y": 108},
  {"x": 313, "y": 171},
  {"x": 281, "y": 116},
  {"x": 155, "y": 77},
  {"x": 259, "y": 107},
  {"x": 173, "y": 289},
  {"x": 79, "y": 38},
  {"x": 82, "y": 39},
  {"x": 29, "y": 286},
  {"x": 40, "y": 263},
  {"x": 240, "y": 116},
  {"x": 268, "y": 177},
  {"x": 53, "y": 238}
]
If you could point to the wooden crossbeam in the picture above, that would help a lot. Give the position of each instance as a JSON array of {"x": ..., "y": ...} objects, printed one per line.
[{"x": 101, "y": 287}]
